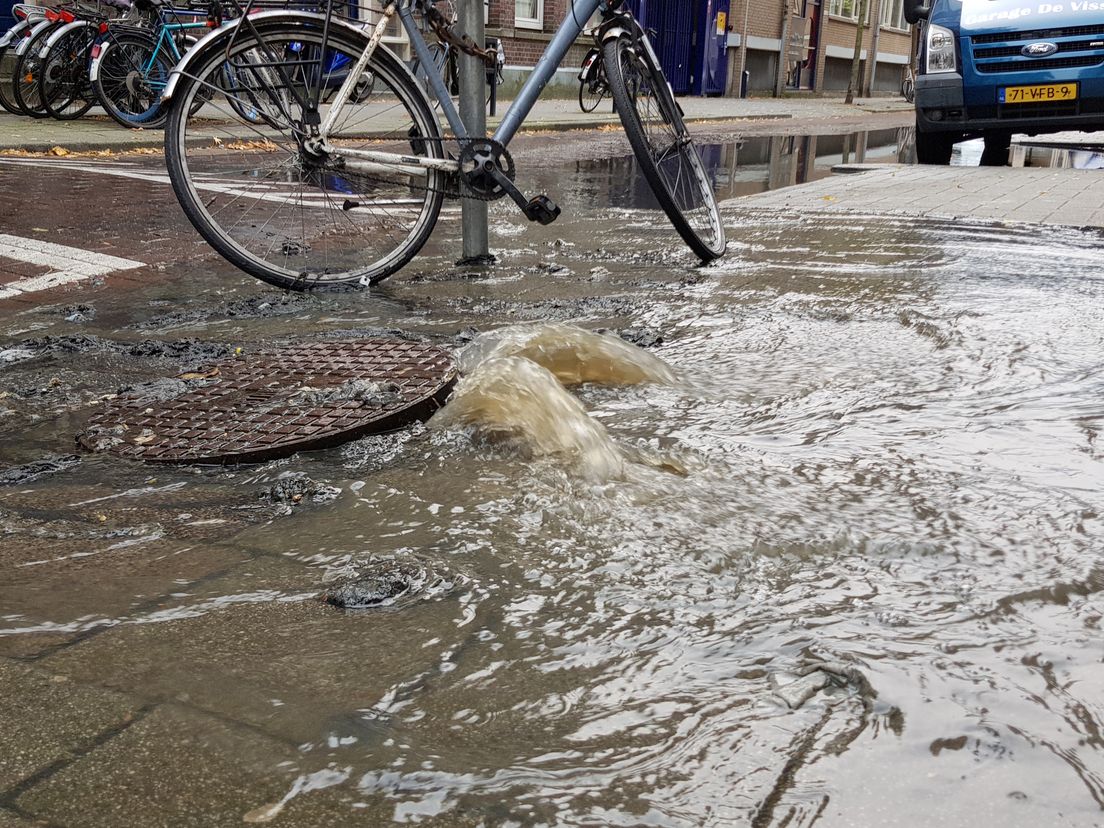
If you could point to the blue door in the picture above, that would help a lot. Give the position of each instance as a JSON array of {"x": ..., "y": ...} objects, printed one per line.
[
  {"x": 710, "y": 75},
  {"x": 6, "y": 19},
  {"x": 672, "y": 22}
]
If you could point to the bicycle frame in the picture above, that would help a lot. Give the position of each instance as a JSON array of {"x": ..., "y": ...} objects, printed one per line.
[{"x": 569, "y": 30}]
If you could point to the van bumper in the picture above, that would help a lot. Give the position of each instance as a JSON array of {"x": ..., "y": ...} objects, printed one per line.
[{"x": 941, "y": 107}]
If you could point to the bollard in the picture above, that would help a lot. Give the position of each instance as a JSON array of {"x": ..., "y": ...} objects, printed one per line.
[{"x": 473, "y": 102}]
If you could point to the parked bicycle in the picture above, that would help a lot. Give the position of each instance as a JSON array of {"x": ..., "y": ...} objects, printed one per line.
[
  {"x": 345, "y": 192},
  {"x": 593, "y": 86},
  {"x": 908, "y": 84}
]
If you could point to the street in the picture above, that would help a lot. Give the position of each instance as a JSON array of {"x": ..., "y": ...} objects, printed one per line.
[{"x": 839, "y": 563}]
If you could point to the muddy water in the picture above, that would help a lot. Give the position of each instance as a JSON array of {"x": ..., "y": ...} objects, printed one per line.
[{"x": 860, "y": 457}]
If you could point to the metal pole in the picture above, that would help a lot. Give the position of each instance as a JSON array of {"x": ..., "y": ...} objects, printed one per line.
[
  {"x": 743, "y": 49},
  {"x": 473, "y": 102},
  {"x": 872, "y": 68},
  {"x": 783, "y": 52}
]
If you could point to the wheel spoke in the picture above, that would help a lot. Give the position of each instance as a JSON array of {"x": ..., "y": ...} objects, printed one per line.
[{"x": 270, "y": 198}]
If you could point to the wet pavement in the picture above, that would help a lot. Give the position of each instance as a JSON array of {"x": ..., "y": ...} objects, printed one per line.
[{"x": 826, "y": 548}]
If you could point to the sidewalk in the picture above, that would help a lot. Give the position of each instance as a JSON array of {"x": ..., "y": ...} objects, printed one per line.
[
  {"x": 1067, "y": 197},
  {"x": 98, "y": 132}
]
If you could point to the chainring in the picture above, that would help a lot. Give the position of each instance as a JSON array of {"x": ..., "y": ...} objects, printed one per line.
[{"x": 475, "y": 157}]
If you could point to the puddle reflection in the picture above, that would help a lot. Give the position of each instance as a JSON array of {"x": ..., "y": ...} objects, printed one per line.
[{"x": 749, "y": 165}]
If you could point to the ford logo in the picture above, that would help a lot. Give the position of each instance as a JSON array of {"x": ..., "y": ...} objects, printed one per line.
[{"x": 1041, "y": 49}]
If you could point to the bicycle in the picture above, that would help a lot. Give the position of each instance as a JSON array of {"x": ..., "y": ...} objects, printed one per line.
[
  {"x": 130, "y": 65},
  {"x": 908, "y": 85},
  {"x": 593, "y": 86},
  {"x": 345, "y": 194}
]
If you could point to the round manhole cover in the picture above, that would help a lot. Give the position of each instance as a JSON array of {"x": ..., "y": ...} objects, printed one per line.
[{"x": 274, "y": 404}]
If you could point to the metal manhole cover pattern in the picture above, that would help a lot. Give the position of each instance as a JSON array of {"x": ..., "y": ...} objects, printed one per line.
[{"x": 276, "y": 403}]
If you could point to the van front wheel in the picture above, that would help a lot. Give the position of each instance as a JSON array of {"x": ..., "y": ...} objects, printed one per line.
[
  {"x": 934, "y": 147},
  {"x": 996, "y": 149}
]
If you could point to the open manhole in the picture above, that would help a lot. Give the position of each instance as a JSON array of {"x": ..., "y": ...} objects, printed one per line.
[{"x": 274, "y": 404}]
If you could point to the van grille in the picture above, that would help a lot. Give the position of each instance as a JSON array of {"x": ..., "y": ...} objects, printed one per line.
[
  {"x": 1028, "y": 64},
  {"x": 999, "y": 52},
  {"x": 1041, "y": 34}
]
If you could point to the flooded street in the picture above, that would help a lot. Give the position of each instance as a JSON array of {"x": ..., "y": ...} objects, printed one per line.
[{"x": 813, "y": 535}]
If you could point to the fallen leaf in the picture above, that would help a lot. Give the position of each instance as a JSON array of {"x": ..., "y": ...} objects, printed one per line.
[{"x": 198, "y": 375}]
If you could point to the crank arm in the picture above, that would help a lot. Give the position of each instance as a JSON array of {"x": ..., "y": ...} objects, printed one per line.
[{"x": 540, "y": 208}]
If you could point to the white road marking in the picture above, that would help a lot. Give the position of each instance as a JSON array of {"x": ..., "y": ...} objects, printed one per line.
[
  {"x": 67, "y": 264},
  {"x": 257, "y": 189}
]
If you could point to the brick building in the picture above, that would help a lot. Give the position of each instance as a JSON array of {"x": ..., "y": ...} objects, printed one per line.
[{"x": 750, "y": 34}]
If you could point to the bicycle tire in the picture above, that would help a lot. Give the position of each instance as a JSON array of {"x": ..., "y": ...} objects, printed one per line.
[
  {"x": 662, "y": 145},
  {"x": 65, "y": 87},
  {"x": 439, "y": 54},
  {"x": 908, "y": 90},
  {"x": 25, "y": 83},
  {"x": 8, "y": 60},
  {"x": 591, "y": 93},
  {"x": 352, "y": 227},
  {"x": 128, "y": 92}
]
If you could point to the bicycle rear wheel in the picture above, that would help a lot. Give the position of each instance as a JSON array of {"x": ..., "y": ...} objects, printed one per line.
[
  {"x": 64, "y": 84},
  {"x": 8, "y": 60},
  {"x": 662, "y": 145},
  {"x": 27, "y": 68},
  {"x": 284, "y": 212},
  {"x": 131, "y": 74}
]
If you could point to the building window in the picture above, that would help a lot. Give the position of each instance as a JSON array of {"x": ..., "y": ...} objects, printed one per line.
[
  {"x": 529, "y": 14},
  {"x": 849, "y": 9},
  {"x": 893, "y": 14}
]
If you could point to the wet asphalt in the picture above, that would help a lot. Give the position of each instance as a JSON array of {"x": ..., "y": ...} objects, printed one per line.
[{"x": 891, "y": 431}]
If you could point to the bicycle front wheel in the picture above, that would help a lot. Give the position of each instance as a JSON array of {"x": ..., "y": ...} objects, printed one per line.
[
  {"x": 662, "y": 145},
  {"x": 273, "y": 202}
]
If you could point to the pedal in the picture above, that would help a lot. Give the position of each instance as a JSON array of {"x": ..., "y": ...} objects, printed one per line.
[{"x": 543, "y": 209}]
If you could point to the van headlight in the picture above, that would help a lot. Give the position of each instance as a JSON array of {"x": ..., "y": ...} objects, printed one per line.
[{"x": 941, "y": 50}]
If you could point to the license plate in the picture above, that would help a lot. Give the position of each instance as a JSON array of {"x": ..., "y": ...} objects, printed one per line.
[{"x": 1039, "y": 93}]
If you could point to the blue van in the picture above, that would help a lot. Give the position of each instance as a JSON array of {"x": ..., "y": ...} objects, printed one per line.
[{"x": 991, "y": 68}]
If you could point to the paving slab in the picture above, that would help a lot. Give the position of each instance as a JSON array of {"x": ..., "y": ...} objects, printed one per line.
[
  {"x": 264, "y": 657},
  {"x": 48, "y": 719},
  {"x": 1003, "y": 194},
  {"x": 174, "y": 767}
]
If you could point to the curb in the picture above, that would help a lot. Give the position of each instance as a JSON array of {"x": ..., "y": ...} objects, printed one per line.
[{"x": 86, "y": 144}]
